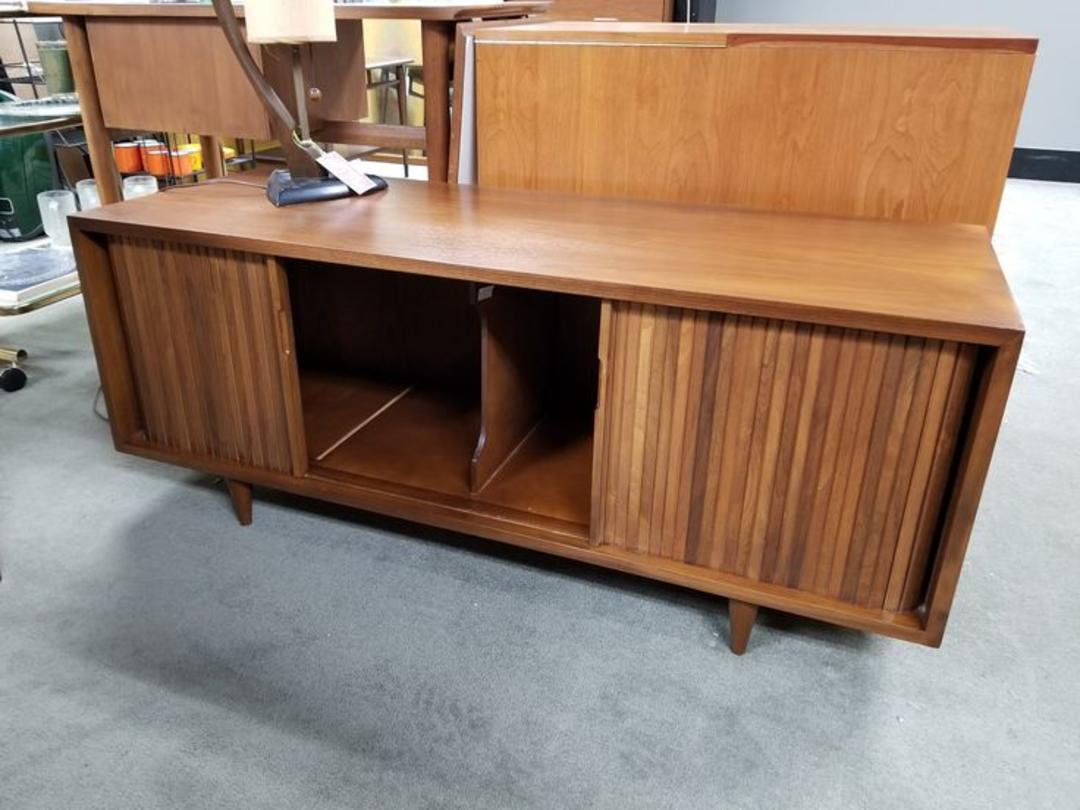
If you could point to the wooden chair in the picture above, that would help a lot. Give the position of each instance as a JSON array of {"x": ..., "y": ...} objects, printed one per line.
[{"x": 391, "y": 73}]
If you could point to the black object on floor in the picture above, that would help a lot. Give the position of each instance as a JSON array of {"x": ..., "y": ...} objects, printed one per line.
[
  {"x": 12, "y": 378},
  {"x": 1056, "y": 165}
]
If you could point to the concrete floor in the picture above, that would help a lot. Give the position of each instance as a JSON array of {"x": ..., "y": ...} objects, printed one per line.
[{"x": 155, "y": 654}]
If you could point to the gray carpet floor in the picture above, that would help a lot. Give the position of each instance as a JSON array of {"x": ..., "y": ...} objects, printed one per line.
[{"x": 153, "y": 653}]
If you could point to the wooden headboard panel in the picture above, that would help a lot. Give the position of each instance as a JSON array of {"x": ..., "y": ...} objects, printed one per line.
[
  {"x": 889, "y": 124},
  {"x": 624, "y": 10}
]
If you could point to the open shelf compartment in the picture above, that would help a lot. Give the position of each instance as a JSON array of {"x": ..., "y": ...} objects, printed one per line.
[{"x": 475, "y": 393}]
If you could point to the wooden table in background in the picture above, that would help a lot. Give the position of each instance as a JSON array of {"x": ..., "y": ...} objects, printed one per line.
[{"x": 205, "y": 75}]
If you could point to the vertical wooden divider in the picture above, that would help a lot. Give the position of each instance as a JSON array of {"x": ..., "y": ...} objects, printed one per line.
[{"x": 514, "y": 364}]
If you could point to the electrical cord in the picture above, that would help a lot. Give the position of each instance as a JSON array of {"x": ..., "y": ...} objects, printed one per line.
[
  {"x": 104, "y": 417},
  {"x": 215, "y": 180}
]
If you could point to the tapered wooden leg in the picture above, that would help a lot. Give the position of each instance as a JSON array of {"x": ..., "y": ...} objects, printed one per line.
[
  {"x": 741, "y": 616},
  {"x": 213, "y": 161},
  {"x": 241, "y": 500}
]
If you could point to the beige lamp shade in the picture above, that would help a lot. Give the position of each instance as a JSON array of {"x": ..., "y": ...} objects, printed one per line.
[{"x": 290, "y": 21}]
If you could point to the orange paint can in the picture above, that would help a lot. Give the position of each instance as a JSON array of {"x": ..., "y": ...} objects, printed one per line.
[
  {"x": 128, "y": 157},
  {"x": 156, "y": 160}
]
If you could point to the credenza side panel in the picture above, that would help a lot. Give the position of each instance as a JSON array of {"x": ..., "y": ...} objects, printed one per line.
[
  {"x": 205, "y": 344},
  {"x": 810, "y": 457}
]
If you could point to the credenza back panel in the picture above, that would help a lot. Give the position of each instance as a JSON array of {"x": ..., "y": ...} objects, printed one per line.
[{"x": 804, "y": 456}]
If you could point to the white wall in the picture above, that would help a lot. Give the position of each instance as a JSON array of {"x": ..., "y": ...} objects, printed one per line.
[{"x": 1052, "y": 113}]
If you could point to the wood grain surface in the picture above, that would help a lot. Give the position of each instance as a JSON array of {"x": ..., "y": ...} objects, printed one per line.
[
  {"x": 98, "y": 144},
  {"x": 722, "y": 35},
  {"x": 514, "y": 371},
  {"x": 356, "y": 11},
  {"x": 179, "y": 75},
  {"x": 175, "y": 76},
  {"x": 940, "y": 281},
  {"x": 204, "y": 348},
  {"x": 105, "y": 319},
  {"x": 638, "y": 10},
  {"x": 847, "y": 128},
  {"x": 803, "y": 456}
]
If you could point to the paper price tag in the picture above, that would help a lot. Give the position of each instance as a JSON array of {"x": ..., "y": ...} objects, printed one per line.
[{"x": 346, "y": 172}]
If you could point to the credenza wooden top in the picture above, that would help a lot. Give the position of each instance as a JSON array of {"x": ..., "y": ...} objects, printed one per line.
[
  {"x": 727, "y": 35},
  {"x": 414, "y": 10},
  {"x": 939, "y": 281}
]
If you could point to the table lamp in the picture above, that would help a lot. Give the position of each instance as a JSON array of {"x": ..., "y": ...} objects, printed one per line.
[{"x": 293, "y": 22}]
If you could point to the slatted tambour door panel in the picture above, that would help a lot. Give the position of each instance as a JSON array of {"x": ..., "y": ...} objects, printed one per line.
[
  {"x": 804, "y": 456},
  {"x": 203, "y": 342}
]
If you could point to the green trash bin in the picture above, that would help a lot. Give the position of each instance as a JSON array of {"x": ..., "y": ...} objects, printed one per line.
[{"x": 25, "y": 169}]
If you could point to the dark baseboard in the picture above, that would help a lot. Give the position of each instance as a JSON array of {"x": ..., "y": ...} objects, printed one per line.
[{"x": 1045, "y": 164}]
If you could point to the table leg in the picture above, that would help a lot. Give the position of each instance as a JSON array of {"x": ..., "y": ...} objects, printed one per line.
[
  {"x": 436, "y": 36},
  {"x": 240, "y": 495},
  {"x": 402, "y": 96},
  {"x": 403, "y": 110},
  {"x": 213, "y": 162},
  {"x": 97, "y": 134},
  {"x": 742, "y": 616}
]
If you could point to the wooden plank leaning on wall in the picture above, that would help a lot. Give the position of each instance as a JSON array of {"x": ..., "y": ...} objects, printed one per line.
[{"x": 900, "y": 126}]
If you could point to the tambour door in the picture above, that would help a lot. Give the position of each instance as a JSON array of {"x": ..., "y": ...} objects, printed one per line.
[
  {"x": 210, "y": 351},
  {"x": 809, "y": 457}
]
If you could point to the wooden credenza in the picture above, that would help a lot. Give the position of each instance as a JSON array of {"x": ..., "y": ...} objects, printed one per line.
[{"x": 790, "y": 411}]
